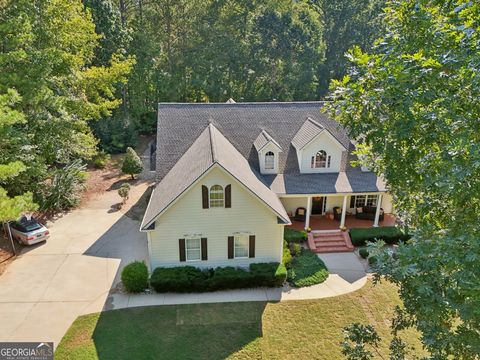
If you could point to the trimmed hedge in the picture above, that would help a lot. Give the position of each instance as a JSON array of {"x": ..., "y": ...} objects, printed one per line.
[
  {"x": 135, "y": 277},
  {"x": 389, "y": 234},
  {"x": 287, "y": 256},
  {"x": 307, "y": 269},
  {"x": 192, "y": 279},
  {"x": 292, "y": 235}
]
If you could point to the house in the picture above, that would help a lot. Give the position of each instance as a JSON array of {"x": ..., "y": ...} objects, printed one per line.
[{"x": 231, "y": 176}]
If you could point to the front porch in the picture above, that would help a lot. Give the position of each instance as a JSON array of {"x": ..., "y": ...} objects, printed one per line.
[{"x": 321, "y": 222}]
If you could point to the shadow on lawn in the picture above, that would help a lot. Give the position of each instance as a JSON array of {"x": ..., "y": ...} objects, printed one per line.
[{"x": 197, "y": 331}]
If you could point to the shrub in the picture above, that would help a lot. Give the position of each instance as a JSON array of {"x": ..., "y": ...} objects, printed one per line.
[
  {"x": 372, "y": 260},
  {"x": 191, "y": 279},
  {"x": 292, "y": 235},
  {"x": 307, "y": 269},
  {"x": 179, "y": 279},
  {"x": 63, "y": 189},
  {"x": 268, "y": 274},
  {"x": 295, "y": 249},
  {"x": 101, "y": 159},
  {"x": 287, "y": 256},
  {"x": 230, "y": 278},
  {"x": 135, "y": 277},
  {"x": 132, "y": 164},
  {"x": 123, "y": 192},
  {"x": 389, "y": 234},
  {"x": 363, "y": 253}
]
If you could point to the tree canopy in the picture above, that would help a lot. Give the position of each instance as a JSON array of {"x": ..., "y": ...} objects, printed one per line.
[{"x": 414, "y": 106}]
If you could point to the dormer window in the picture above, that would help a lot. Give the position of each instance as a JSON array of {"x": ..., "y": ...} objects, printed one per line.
[
  {"x": 269, "y": 161},
  {"x": 216, "y": 196},
  {"x": 320, "y": 160}
]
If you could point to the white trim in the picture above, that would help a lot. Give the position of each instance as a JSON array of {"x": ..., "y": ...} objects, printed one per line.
[
  {"x": 247, "y": 235},
  {"x": 339, "y": 144},
  {"x": 199, "y": 248},
  {"x": 329, "y": 194}
]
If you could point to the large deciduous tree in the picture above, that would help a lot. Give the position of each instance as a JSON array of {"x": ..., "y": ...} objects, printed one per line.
[
  {"x": 46, "y": 53},
  {"x": 414, "y": 106}
]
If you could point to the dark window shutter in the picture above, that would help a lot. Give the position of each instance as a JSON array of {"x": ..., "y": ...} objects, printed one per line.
[
  {"x": 352, "y": 202},
  {"x": 230, "y": 247},
  {"x": 251, "y": 246},
  {"x": 181, "y": 246},
  {"x": 204, "y": 249},
  {"x": 204, "y": 197},
  {"x": 228, "y": 196}
]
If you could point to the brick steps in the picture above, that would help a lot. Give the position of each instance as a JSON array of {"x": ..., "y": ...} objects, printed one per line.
[{"x": 328, "y": 242}]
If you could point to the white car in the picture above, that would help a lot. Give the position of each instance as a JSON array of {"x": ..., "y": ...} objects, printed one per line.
[{"x": 28, "y": 232}]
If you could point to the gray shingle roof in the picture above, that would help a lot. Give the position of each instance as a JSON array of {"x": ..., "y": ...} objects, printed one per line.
[
  {"x": 263, "y": 139},
  {"x": 309, "y": 130},
  {"x": 180, "y": 124},
  {"x": 209, "y": 149}
]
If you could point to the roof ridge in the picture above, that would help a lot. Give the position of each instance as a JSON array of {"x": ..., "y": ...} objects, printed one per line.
[
  {"x": 315, "y": 102},
  {"x": 212, "y": 142},
  {"x": 316, "y": 123}
]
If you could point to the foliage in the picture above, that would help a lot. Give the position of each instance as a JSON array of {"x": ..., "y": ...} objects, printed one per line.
[
  {"x": 295, "y": 248},
  {"x": 46, "y": 55},
  {"x": 390, "y": 234},
  {"x": 414, "y": 107},
  {"x": 101, "y": 159},
  {"x": 132, "y": 164},
  {"x": 135, "y": 277},
  {"x": 307, "y": 269},
  {"x": 363, "y": 252},
  {"x": 287, "y": 256},
  {"x": 179, "y": 279},
  {"x": 192, "y": 279},
  {"x": 268, "y": 274},
  {"x": 292, "y": 235},
  {"x": 62, "y": 190},
  {"x": 11, "y": 207},
  {"x": 124, "y": 191}
]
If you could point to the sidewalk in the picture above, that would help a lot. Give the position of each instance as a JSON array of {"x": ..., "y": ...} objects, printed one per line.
[{"x": 347, "y": 274}]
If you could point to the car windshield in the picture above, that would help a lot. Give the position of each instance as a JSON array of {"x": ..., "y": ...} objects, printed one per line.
[{"x": 27, "y": 226}]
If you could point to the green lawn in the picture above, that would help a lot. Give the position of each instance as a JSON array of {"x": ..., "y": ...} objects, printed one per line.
[{"x": 310, "y": 329}]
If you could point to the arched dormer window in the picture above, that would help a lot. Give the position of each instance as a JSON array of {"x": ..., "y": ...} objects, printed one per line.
[
  {"x": 320, "y": 160},
  {"x": 269, "y": 160},
  {"x": 216, "y": 196}
]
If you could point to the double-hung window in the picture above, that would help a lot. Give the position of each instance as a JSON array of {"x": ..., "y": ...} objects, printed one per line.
[
  {"x": 216, "y": 196},
  {"x": 366, "y": 200},
  {"x": 193, "y": 250},
  {"x": 269, "y": 160},
  {"x": 241, "y": 245}
]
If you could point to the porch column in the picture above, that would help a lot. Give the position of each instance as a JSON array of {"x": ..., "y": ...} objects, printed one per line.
[
  {"x": 377, "y": 212},
  {"x": 309, "y": 212},
  {"x": 344, "y": 211}
]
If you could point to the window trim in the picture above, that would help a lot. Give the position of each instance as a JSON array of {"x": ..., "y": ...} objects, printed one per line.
[
  {"x": 199, "y": 248},
  {"x": 269, "y": 154},
  {"x": 364, "y": 198},
  {"x": 325, "y": 161},
  {"x": 210, "y": 197},
  {"x": 235, "y": 236}
]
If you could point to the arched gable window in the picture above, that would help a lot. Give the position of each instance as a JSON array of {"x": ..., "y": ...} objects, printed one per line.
[
  {"x": 216, "y": 196},
  {"x": 269, "y": 161},
  {"x": 319, "y": 160}
]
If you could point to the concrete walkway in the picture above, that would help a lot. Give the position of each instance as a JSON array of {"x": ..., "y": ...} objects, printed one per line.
[
  {"x": 47, "y": 287},
  {"x": 346, "y": 275}
]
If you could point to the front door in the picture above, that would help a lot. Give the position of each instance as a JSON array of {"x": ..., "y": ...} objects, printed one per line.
[{"x": 317, "y": 205}]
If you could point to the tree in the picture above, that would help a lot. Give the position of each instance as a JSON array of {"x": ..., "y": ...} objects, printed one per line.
[
  {"x": 123, "y": 192},
  {"x": 46, "y": 55},
  {"x": 414, "y": 106},
  {"x": 132, "y": 164},
  {"x": 11, "y": 207}
]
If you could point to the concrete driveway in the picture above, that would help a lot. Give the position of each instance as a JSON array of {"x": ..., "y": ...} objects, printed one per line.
[{"x": 49, "y": 285}]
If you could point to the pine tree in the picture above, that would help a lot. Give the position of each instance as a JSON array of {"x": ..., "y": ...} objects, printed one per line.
[{"x": 132, "y": 164}]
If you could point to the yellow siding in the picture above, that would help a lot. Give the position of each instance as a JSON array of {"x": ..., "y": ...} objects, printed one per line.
[{"x": 186, "y": 216}]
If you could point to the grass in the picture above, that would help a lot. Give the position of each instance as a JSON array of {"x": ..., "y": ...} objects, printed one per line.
[
  {"x": 307, "y": 269},
  {"x": 292, "y": 235},
  {"x": 309, "y": 329}
]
